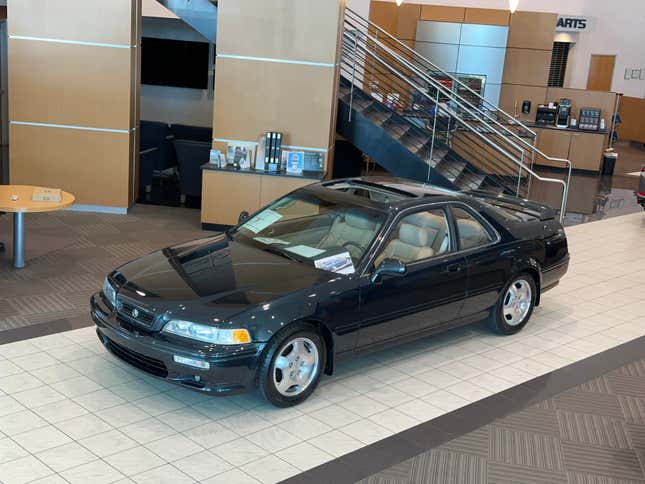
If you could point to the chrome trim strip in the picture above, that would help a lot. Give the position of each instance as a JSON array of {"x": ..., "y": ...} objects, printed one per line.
[
  {"x": 273, "y": 59},
  {"x": 65, "y": 126},
  {"x": 73, "y": 42}
]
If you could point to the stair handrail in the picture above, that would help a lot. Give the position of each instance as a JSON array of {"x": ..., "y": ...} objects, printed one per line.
[
  {"x": 454, "y": 95},
  {"x": 521, "y": 166},
  {"x": 439, "y": 69},
  {"x": 445, "y": 90}
]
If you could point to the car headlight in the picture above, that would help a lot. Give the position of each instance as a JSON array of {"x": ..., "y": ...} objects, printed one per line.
[
  {"x": 208, "y": 334},
  {"x": 109, "y": 292}
]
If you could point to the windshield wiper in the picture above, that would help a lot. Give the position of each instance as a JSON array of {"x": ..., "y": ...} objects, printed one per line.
[{"x": 279, "y": 252}]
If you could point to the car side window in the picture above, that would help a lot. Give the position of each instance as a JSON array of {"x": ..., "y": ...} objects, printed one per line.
[
  {"x": 419, "y": 236},
  {"x": 470, "y": 232}
]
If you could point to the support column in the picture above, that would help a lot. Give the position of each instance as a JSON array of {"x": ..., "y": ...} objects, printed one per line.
[
  {"x": 73, "y": 107},
  {"x": 277, "y": 69}
]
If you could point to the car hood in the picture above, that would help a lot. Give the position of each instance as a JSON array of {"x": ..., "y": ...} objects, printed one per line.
[{"x": 217, "y": 272}]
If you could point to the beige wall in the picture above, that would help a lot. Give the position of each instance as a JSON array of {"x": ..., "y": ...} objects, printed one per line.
[{"x": 73, "y": 106}]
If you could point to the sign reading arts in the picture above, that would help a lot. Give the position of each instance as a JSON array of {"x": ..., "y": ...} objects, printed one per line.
[{"x": 569, "y": 23}]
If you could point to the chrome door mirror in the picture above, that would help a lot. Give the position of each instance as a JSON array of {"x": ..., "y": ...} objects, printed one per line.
[
  {"x": 243, "y": 216},
  {"x": 388, "y": 266}
]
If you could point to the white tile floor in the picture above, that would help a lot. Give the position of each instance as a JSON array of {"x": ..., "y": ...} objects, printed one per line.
[{"x": 70, "y": 412}]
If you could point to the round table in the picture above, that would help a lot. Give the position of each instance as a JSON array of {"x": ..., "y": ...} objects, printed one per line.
[{"x": 22, "y": 205}]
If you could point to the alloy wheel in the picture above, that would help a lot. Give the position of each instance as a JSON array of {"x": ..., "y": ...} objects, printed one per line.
[
  {"x": 517, "y": 302},
  {"x": 296, "y": 366}
]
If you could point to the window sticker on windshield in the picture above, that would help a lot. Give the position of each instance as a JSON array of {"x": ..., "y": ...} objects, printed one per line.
[
  {"x": 262, "y": 220},
  {"x": 338, "y": 263},
  {"x": 304, "y": 250},
  {"x": 270, "y": 240}
]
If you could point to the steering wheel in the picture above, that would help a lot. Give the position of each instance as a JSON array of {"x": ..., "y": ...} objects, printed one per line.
[{"x": 349, "y": 244}]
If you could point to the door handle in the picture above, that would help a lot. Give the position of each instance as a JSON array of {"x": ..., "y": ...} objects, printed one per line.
[{"x": 454, "y": 267}]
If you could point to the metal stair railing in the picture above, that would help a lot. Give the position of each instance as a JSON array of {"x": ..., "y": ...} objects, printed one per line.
[
  {"x": 364, "y": 54},
  {"x": 398, "y": 50},
  {"x": 348, "y": 70},
  {"x": 441, "y": 109}
]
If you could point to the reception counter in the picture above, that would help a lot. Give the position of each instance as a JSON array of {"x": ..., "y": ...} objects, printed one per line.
[
  {"x": 227, "y": 191},
  {"x": 583, "y": 148}
]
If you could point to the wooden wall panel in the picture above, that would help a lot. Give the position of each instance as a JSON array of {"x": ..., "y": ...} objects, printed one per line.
[
  {"x": 632, "y": 111},
  {"x": 553, "y": 143},
  {"x": 384, "y": 14},
  {"x": 225, "y": 195},
  {"x": 105, "y": 21},
  {"x": 64, "y": 81},
  {"x": 487, "y": 16},
  {"x": 89, "y": 164},
  {"x": 76, "y": 91},
  {"x": 527, "y": 67},
  {"x": 515, "y": 92},
  {"x": 274, "y": 187},
  {"x": 254, "y": 97},
  {"x": 406, "y": 23},
  {"x": 304, "y": 30},
  {"x": 443, "y": 14},
  {"x": 532, "y": 30}
]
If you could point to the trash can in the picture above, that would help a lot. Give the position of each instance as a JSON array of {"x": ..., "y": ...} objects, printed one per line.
[{"x": 609, "y": 162}]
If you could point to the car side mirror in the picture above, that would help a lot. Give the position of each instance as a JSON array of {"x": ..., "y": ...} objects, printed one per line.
[
  {"x": 389, "y": 266},
  {"x": 243, "y": 216}
]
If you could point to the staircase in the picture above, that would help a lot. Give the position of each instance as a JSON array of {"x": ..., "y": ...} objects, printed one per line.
[{"x": 419, "y": 122}]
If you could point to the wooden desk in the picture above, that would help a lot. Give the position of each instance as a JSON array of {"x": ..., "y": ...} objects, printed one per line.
[
  {"x": 24, "y": 204},
  {"x": 583, "y": 148},
  {"x": 227, "y": 192}
]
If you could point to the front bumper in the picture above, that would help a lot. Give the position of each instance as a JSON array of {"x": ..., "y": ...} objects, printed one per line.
[{"x": 232, "y": 368}]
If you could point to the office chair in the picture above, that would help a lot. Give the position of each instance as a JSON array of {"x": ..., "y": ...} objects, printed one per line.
[{"x": 191, "y": 155}]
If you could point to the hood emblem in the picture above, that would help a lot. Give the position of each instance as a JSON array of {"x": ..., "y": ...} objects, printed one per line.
[{"x": 135, "y": 313}]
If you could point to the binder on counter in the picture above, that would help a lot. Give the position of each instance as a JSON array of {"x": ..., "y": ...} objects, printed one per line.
[{"x": 274, "y": 151}]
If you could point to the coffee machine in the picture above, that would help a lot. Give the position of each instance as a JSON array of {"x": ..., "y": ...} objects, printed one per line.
[{"x": 564, "y": 113}]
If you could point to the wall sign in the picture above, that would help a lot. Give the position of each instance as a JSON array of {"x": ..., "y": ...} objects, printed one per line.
[{"x": 570, "y": 23}]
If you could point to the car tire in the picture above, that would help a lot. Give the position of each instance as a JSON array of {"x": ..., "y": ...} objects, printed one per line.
[
  {"x": 284, "y": 378},
  {"x": 515, "y": 305}
]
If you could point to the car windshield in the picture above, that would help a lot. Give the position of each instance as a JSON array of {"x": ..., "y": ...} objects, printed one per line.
[{"x": 330, "y": 235}]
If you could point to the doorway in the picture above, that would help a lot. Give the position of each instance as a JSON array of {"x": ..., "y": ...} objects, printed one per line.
[{"x": 601, "y": 72}]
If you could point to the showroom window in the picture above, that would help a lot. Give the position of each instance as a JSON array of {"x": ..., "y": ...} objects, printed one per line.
[
  {"x": 471, "y": 233},
  {"x": 558, "y": 67},
  {"x": 419, "y": 236}
]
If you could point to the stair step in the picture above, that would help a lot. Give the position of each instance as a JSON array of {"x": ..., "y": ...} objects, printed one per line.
[
  {"x": 451, "y": 169},
  {"x": 489, "y": 187},
  {"x": 470, "y": 181},
  {"x": 378, "y": 117},
  {"x": 438, "y": 154},
  {"x": 396, "y": 130}
]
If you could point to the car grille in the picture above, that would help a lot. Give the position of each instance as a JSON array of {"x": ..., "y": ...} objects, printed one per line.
[
  {"x": 149, "y": 365},
  {"x": 133, "y": 313}
]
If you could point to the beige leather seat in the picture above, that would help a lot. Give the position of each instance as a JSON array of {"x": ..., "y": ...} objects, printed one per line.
[
  {"x": 410, "y": 245},
  {"x": 436, "y": 225},
  {"x": 354, "y": 228},
  {"x": 471, "y": 234}
]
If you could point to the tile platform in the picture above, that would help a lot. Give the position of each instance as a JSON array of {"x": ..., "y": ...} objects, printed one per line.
[{"x": 70, "y": 412}]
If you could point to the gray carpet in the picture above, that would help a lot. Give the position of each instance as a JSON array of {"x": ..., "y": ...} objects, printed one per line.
[
  {"x": 593, "y": 433},
  {"x": 69, "y": 254}
]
